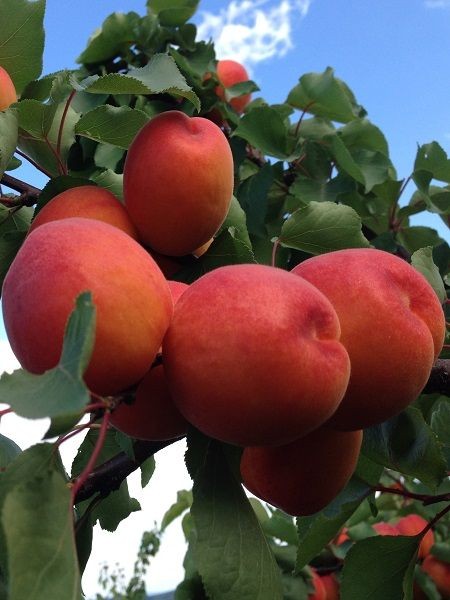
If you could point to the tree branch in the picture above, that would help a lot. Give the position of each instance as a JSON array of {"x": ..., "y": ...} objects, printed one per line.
[
  {"x": 107, "y": 477},
  {"x": 29, "y": 193},
  {"x": 439, "y": 381}
]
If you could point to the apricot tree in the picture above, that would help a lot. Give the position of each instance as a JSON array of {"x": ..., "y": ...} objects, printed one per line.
[{"x": 301, "y": 307}]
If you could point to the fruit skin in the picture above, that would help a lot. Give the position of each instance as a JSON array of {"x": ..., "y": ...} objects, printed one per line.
[
  {"x": 152, "y": 416},
  {"x": 229, "y": 73},
  {"x": 7, "y": 90},
  {"x": 439, "y": 572},
  {"x": 178, "y": 182},
  {"x": 243, "y": 352},
  {"x": 61, "y": 259},
  {"x": 383, "y": 528},
  {"x": 177, "y": 289},
  {"x": 89, "y": 202},
  {"x": 412, "y": 525},
  {"x": 331, "y": 586},
  {"x": 304, "y": 476},
  {"x": 319, "y": 589},
  {"x": 392, "y": 327}
]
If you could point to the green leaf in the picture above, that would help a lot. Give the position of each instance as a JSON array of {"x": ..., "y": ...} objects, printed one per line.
[
  {"x": 324, "y": 95},
  {"x": 440, "y": 424},
  {"x": 173, "y": 13},
  {"x": 422, "y": 260},
  {"x": 61, "y": 390},
  {"x": 110, "y": 181},
  {"x": 417, "y": 237},
  {"x": 22, "y": 39},
  {"x": 195, "y": 64},
  {"x": 112, "y": 125},
  {"x": 116, "y": 34},
  {"x": 118, "y": 505},
  {"x": 147, "y": 470},
  {"x": 431, "y": 163},
  {"x": 315, "y": 531},
  {"x": 265, "y": 129},
  {"x": 231, "y": 551},
  {"x": 408, "y": 445},
  {"x": 159, "y": 76},
  {"x": 237, "y": 220},
  {"x": 322, "y": 227},
  {"x": 9, "y": 132},
  {"x": 182, "y": 504},
  {"x": 253, "y": 197},
  {"x": 361, "y": 134},
  {"x": 380, "y": 568},
  {"x": 37, "y": 521},
  {"x": 280, "y": 526},
  {"x": 8, "y": 451}
]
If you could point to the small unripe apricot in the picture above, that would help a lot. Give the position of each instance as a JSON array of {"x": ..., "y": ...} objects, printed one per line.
[
  {"x": 7, "y": 90},
  {"x": 178, "y": 182},
  {"x": 89, "y": 202},
  {"x": 229, "y": 73},
  {"x": 57, "y": 262},
  {"x": 253, "y": 356},
  {"x": 393, "y": 328}
]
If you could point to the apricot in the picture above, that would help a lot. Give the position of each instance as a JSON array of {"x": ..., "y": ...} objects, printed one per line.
[
  {"x": 304, "y": 476},
  {"x": 383, "y": 528},
  {"x": 253, "y": 356},
  {"x": 177, "y": 289},
  {"x": 178, "y": 182},
  {"x": 319, "y": 589},
  {"x": 229, "y": 73},
  {"x": 7, "y": 90},
  {"x": 61, "y": 259},
  {"x": 152, "y": 416},
  {"x": 439, "y": 572},
  {"x": 413, "y": 525},
  {"x": 331, "y": 586},
  {"x": 90, "y": 202},
  {"x": 392, "y": 327}
]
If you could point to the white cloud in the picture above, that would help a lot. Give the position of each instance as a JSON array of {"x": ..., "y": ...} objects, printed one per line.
[
  {"x": 437, "y": 3},
  {"x": 252, "y": 31}
]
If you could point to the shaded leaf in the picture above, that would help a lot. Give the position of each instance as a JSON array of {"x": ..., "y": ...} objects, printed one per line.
[
  {"x": 322, "y": 227},
  {"x": 422, "y": 260},
  {"x": 9, "y": 131},
  {"x": 112, "y": 125}
]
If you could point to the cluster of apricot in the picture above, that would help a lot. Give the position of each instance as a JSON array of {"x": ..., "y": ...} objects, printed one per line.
[{"x": 289, "y": 365}]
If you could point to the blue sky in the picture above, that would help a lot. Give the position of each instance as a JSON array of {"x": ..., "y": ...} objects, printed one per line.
[{"x": 394, "y": 54}]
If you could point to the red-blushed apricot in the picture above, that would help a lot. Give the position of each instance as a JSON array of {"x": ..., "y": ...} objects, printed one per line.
[
  {"x": 439, "y": 572},
  {"x": 413, "y": 525},
  {"x": 392, "y": 327},
  {"x": 319, "y": 589},
  {"x": 253, "y": 356},
  {"x": 57, "y": 262},
  {"x": 7, "y": 90},
  {"x": 304, "y": 476},
  {"x": 152, "y": 416},
  {"x": 331, "y": 586},
  {"x": 89, "y": 202},
  {"x": 177, "y": 289},
  {"x": 383, "y": 528},
  {"x": 341, "y": 537},
  {"x": 229, "y": 73},
  {"x": 178, "y": 182}
]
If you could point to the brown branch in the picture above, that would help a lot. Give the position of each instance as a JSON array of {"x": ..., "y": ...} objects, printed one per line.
[
  {"x": 108, "y": 476},
  {"x": 29, "y": 193}
]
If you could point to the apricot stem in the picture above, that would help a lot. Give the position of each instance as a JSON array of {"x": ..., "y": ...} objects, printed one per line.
[
  {"x": 435, "y": 519},
  {"x": 61, "y": 167},
  {"x": 93, "y": 458},
  {"x": 6, "y": 411}
]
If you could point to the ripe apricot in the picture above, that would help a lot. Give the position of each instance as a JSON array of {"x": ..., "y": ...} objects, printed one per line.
[
  {"x": 89, "y": 202},
  {"x": 7, "y": 90},
  {"x": 229, "y": 73},
  {"x": 253, "y": 356},
  {"x": 412, "y": 525},
  {"x": 61, "y": 259},
  {"x": 304, "y": 476},
  {"x": 392, "y": 327},
  {"x": 439, "y": 572},
  {"x": 178, "y": 182}
]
